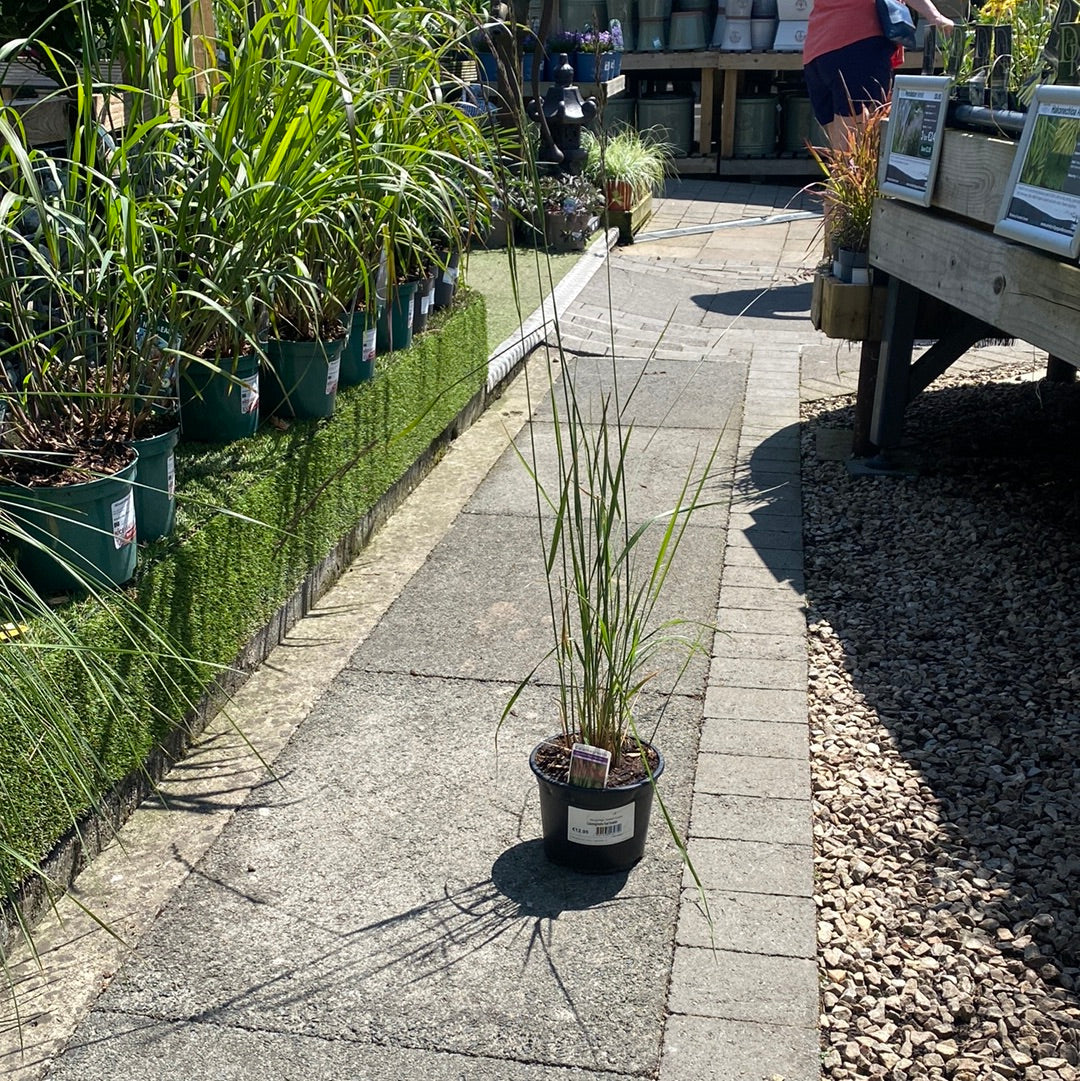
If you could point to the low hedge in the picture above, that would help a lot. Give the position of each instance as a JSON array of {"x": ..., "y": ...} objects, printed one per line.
[{"x": 220, "y": 578}]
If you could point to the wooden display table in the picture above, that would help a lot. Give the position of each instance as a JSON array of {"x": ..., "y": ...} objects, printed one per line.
[{"x": 993, "y": 287}]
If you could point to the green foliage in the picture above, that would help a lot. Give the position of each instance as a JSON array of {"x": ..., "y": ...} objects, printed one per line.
[
  {"x": 293, "y": 495},
  {"x": 639, "y": 160}
]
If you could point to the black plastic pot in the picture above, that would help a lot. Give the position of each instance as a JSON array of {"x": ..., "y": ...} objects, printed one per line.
[
  {"x": 446, "y": 278},
  {"x": 595, "y": 830},
  {"x": 423, "y": 300}
]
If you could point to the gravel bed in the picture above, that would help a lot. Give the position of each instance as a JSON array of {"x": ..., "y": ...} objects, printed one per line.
[{"x": 944, "y": 651}]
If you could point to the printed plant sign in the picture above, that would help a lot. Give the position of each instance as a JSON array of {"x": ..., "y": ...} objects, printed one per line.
[
  {"x": 916, "y": 122},
  {"x": 1042, "y": 199}
]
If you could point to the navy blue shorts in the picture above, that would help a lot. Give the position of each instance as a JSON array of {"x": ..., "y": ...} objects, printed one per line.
[{"x": 856, "y": 75}]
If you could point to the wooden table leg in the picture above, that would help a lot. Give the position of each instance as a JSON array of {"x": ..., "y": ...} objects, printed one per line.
[
  {"x": 708, "y": 94},
  {"x": 891, "y": 394},
  {"x": 727, "y": 113}
]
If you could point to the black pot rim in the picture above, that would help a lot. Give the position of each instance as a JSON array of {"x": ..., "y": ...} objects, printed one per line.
[{"x": 568, "y": 787}]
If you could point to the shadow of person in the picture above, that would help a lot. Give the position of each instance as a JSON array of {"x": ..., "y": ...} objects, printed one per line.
[{"x": 768, "y": 302}]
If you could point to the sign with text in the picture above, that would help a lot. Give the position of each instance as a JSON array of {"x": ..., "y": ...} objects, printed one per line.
[
  {"x": 1042, "y": 198},
  {"x": 913, "y": 143}
]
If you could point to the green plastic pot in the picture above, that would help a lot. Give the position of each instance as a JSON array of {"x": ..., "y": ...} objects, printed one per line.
[
  {"x": 155, "y": 484},
  {"x": 301, "y": 379},
  {"x": 219, "y": 401},
  {"x": 88, "y": 527},
  {"x": 395, "y": 328},
  {"x": 358, "y": 354}
]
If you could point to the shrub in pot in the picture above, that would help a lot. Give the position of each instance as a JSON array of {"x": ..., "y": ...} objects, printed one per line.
[{"x": 628, "y": 166}]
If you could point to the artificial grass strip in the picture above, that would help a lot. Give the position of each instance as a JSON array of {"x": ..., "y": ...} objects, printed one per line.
[{"x": 221, "y": 577}]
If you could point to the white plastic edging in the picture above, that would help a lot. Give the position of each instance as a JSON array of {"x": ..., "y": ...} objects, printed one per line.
[{"x": 509, "y": 353}]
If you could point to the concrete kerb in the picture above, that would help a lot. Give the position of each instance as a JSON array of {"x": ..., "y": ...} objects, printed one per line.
[{"x": 509, "y": 353}]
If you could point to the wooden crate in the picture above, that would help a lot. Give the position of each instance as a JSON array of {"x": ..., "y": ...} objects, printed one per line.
[
  {"x": 850, "y": 312},
  {"x": 630, "y": 222}
]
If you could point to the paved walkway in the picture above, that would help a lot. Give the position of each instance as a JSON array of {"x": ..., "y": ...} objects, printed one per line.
[{"x": 380, "y": 908}]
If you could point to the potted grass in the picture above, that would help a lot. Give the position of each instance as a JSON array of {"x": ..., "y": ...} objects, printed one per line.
[
  {"x": 85, "y": 275},
  {"x": 630, "y": 166},
  {"x": 606, "y": 574},
  {"x": 843, "y": 302}
]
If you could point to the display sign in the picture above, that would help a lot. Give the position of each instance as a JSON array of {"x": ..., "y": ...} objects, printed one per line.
[
  {"x": 1041, "y": 206},
  {"x": 916, "y": 123}
]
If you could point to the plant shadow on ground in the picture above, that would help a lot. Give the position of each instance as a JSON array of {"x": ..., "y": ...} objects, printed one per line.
[
  {"x": 968, "y": 651},
  {"x": 790, "y": 302}
]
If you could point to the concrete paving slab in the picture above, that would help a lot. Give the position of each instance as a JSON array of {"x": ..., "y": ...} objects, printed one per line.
[
  {"x": 752, "y": 867},
  {"x": 743, "y": 987},
  {"x": 392, "y": 891},
  {"x": 694, "y": 393},
  {"x": 753, "y": 775},
  {"x": 755, "y": 704},
  {"x": 659, "y": 464},
  {"x": 749, "y": 923},
  {"x": 767, "y": 739},
  {"x": 751, "y": 818},
  {"x": 463, "y": 621},
  {"x": 742, "y": 555},
  {"x": 192, "y": 1051},
  {"x": 786, "y": 620},
  {"x": 752, "y": 645},
  {"x": 704, "y": 1049}
]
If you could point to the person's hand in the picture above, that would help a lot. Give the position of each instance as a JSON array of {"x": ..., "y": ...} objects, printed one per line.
[{"x": 945, "y": 25}]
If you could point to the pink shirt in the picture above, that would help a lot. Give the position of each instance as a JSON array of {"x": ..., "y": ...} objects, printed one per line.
[{"x": 836, "y": 23}]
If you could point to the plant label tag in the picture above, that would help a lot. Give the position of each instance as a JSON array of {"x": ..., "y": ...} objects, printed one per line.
[
  {"x": 170, "y": 473},
  {"x": 589, "y": 765},
  {"x": 123, "y": 520},
  {"x": 369, "y": 343},
  {"x": 333, "y": 370},
  {"x": 590, "y": 827},
  {"x": 429, "y": 299},
  {"x": 249, "y": 394},
  {"x": 449, "y": 275}
]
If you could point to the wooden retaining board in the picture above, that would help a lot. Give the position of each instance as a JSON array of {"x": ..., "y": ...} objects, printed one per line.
[
  {"x": 1023, "y": 292},
  {"x": 972, "y": 174}
]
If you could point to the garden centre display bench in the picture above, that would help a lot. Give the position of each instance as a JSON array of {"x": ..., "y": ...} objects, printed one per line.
[
  {"x": 993, "y": 287},
  {"x": 718, "y": 96}
]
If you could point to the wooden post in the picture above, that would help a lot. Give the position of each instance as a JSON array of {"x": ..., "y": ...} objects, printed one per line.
[
  {"x": 861, "y": 444},
  {"x": 894, "y": 365},
  {"x": 1059, "y": 371}
]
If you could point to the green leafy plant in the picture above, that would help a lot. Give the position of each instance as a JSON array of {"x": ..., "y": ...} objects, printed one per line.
[
  {"x": 628, "y": 165},
  {"x": 850, "y": 185}
]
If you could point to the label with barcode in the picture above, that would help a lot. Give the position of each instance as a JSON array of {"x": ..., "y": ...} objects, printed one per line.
[
  {"x": 249, "y": 393},
  {"x": 170, "y": 474},
  {"x": 589, "y": 827},
  {"x": 450, "y": 275},
  {"x": 333, "y": 371},
  {"x": 369, "y": 343},
  {"x": 123, "y": 520}
]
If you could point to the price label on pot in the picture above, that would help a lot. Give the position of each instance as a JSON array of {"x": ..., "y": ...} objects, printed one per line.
[
  {"x": 123, "y": 520},
  {"x": 449, "y": 275},
  {"x": 369, "y": 343},
  {"x": 589, "y": 827},
  {"x": 333, "y": 370},
  {"x": 170, "y": 473},
  {"x": 249, "y": 393}
]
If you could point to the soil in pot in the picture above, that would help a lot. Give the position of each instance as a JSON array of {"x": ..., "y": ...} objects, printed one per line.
[{"x": 595, "y": 830}]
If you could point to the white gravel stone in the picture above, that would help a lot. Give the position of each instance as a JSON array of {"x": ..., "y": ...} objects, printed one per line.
[{"x": 944, "y": 697}]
